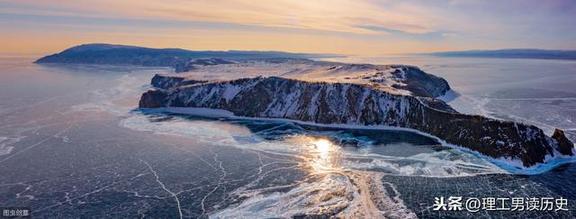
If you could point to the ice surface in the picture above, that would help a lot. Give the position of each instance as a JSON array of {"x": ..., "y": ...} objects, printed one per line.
[{"x": 84, "y": 152}]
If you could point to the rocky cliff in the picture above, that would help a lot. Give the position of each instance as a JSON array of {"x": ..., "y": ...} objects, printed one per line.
[{"x": 361, "y": 104}]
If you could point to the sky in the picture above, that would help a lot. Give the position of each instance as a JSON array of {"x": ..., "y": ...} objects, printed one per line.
[{"x": 350, "y": 27}]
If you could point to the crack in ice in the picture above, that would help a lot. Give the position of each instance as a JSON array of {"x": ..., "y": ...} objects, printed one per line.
[
  {"x": 164, "y": 186},
  {"x": 220, "y": 180}
]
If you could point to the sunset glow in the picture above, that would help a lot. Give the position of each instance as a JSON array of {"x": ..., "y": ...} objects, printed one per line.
[{"x": 341, "y": 26}]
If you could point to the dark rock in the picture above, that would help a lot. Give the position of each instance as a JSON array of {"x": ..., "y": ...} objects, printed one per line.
[
  {"x": 564, "y": 145},
  {"x": 421, "y": 83},
  {"x": 152, "y": 99},
  {"x": 165, "y": 82}
]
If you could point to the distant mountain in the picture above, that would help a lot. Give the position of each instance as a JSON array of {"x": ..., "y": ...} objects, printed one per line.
[
  {"x": 180, "y": 59},
  {"x": 512, "y": 53}
]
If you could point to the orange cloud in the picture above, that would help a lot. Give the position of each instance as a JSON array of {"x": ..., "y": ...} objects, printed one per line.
[{"x": 322, "y": 15}]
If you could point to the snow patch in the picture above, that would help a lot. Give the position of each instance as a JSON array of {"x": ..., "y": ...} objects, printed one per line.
[{"x": 230, "y": 92}]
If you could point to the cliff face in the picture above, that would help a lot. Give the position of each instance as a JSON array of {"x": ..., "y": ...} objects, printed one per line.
[{"x": 345, "y": 103}]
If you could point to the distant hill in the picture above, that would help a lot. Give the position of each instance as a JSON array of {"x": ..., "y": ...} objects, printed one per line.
[
  {"x": 179, "y": 59},
  {"x": 512, "y": 53}
]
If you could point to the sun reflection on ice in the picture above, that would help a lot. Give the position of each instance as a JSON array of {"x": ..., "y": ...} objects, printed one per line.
[
  {"x": 323, "y": 146},
  {"x": 324, "y": 155}
]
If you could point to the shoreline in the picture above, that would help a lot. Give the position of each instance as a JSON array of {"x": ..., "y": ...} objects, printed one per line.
[{"x": 510, "y": 166}]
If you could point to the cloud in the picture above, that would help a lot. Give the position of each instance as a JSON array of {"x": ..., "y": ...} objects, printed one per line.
[
  {"x": 317, "y": 15},
  {"x": 354, "y": 26}
]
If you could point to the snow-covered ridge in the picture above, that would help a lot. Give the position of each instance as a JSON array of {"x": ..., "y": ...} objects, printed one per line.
[
  {"x": 396, "y": 79},
  {"x": 361, "y": 104}
]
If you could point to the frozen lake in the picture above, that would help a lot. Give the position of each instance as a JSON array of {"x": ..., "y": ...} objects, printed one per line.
[{"x": 72, "y": 144}]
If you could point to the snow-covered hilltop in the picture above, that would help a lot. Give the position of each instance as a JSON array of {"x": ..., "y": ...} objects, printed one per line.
[
  {"x": 352, "y": 94},
  {"x": 397, "y": 79}
]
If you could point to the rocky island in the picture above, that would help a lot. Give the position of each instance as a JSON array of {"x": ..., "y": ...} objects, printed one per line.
[{"x": 289, "y": 86}]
